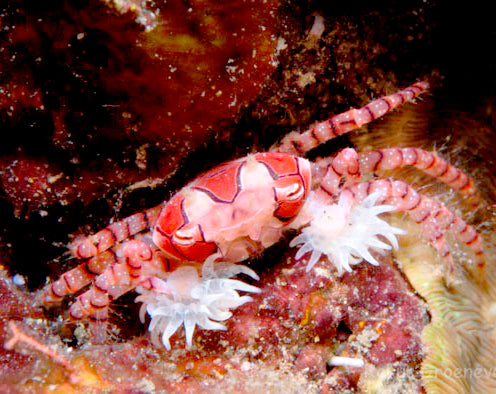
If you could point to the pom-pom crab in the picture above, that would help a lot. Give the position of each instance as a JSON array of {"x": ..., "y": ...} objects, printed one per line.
[{"x": 182, "y": 254}]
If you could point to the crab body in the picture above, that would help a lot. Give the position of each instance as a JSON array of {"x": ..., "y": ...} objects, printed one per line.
[
  {"x": 181, "y": 256},
  {"x": 237, "y": 209}
]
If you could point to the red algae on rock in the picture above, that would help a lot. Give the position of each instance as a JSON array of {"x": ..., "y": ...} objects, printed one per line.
[{"x": 83, "y": 85}]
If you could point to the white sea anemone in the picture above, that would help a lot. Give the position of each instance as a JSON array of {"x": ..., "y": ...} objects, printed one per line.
[
  {"x": 185, "y": 298},
  {"x": 346, "y": 233}
]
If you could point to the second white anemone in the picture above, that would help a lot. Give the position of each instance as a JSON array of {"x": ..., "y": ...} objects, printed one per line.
[{"x": 345, "y": 232}]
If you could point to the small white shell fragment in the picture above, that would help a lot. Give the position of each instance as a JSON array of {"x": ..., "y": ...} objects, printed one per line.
[
  {"x": 18, "y": 280},
  {"x": 338, "y": 361}
]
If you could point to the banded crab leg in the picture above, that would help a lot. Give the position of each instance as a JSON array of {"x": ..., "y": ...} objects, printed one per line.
[
  {"x": 93, "y": 245},
  {"x": 138, "y": 262},
  {"x": 432, "y": 215},
  {"x": 301, "y": 143},
  {"x": 350, "y": 165},
  {"x": 428, "y": 162},
  {"x": 75, "y": 279},
  {"x": 113, "y": 267}
]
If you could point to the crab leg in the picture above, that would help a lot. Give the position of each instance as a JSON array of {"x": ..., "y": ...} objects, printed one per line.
[
  {"x": 77, "y": 278},
  {"x": 138, "y": 262},
  {"x": 428, "y": 162},
  {"x": 432, "y": 215},
  {"x": 103, "y": 240},
  {"x": 330, "y": 173},
  {"x": 349, "y": 164},
  {"x": 301, "y": 143},
  {"x": 74, "y": 280}
]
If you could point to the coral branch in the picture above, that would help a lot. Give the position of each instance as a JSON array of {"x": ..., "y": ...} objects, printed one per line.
[{"x": 19, "y": 336}]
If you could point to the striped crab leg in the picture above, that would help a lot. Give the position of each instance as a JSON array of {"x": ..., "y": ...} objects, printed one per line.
[
  {"x": 301, "y": 143},
  {"x": 350, "y": 165},
  {"x": 77, "y": 278},
  {"x": 103, "y": 240},
  {"x": 139, "y": 261},
  {"x": 431, "y": 215},
  {"x": 428, "y": 162}
]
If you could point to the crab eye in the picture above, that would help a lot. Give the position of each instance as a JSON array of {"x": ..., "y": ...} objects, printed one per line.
[
  {"x": 290, "y": 195},
  {"x": 292, "y": 192},
  {"x": 185, "y": 236}
]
